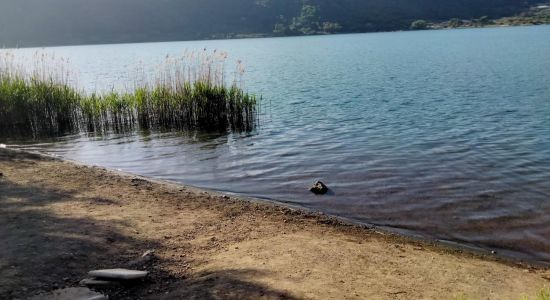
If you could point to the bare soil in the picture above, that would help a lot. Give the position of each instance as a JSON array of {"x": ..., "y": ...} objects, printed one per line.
[{"x": 58, "y": 220}]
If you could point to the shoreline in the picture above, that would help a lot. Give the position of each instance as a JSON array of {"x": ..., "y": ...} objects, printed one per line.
[
  {"x": 512, "y": 257},
  {"x": 252, "y": 245}
]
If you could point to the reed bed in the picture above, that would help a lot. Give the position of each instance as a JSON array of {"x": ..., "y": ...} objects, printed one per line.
[{"x": 188, "y": 92}]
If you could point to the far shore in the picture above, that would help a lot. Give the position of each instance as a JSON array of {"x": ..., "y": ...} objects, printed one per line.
[
  {"x": 249, "y": 36},
  {"x": 60, "y": 219}
]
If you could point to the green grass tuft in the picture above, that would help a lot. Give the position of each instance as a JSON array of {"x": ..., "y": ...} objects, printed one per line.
[
  {"x": 189, "y": 93},
  {"x": 543, "y": 294}
]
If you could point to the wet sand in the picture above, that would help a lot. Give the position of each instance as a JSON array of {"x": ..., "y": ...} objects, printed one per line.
[{"x": 58, "y": 220}]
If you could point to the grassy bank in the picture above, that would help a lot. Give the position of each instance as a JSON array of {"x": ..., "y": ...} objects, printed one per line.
[{"x": 189, "y": 92}]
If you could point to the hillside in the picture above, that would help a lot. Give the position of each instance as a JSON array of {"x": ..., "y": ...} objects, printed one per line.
[{"x": 60, "y": 22}]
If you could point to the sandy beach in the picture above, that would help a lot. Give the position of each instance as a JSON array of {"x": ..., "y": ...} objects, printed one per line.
[{"x": 59, "y": 220}]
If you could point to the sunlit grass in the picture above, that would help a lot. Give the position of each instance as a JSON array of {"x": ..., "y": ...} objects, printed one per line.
[{"x": 543, "y": 294}]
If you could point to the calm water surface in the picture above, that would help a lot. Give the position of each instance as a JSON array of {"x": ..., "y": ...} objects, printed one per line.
[{"x": 441, "y": 134}]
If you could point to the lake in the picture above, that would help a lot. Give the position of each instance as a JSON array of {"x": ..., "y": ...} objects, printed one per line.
[{"x": 436, "y": 134}]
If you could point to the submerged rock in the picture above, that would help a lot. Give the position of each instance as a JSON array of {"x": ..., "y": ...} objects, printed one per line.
[
  {"x": 319, "y": 188},
  {"x": 119, "y": 274}
]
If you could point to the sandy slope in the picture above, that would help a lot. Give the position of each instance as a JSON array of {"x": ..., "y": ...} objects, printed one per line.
[{"x": 58, "y": 220}]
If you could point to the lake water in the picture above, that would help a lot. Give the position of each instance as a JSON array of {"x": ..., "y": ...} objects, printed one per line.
[{"x": 440, "y": 134}]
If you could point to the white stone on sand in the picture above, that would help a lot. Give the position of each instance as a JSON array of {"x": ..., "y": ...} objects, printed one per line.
[{"x": 122, "y": 274}]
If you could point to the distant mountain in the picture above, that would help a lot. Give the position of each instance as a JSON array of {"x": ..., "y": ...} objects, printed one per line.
[{"x": 61, "y": 22}]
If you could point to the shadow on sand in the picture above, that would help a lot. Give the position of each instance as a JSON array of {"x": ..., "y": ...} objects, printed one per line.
[{"x": 44, "y": 249}]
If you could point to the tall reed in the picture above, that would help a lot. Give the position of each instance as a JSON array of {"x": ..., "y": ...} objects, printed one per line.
[{"x": 187, "y": 92}]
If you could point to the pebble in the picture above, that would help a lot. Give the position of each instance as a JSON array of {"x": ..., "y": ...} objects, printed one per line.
[{"x": 148, "y": 253}]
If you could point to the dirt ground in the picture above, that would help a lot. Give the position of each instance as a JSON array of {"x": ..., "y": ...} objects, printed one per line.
[{"x": 58, "y": 220}]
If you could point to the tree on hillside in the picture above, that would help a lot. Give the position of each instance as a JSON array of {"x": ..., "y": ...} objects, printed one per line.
[
  {"x": 280, "y": 29},
  {"x": 419, "y": 25},
  {"x": 37, "y": 23},
  {"x": 455, "y": 22},
  {"x": 481, "y": 21},
  {"x": 331, "y": 27},
  {"x": 307, "y": 22}
]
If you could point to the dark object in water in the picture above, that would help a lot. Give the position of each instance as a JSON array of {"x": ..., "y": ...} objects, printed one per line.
[
  {"x": 1, "y": 174},
  {"x": 319, "y": 188}
]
